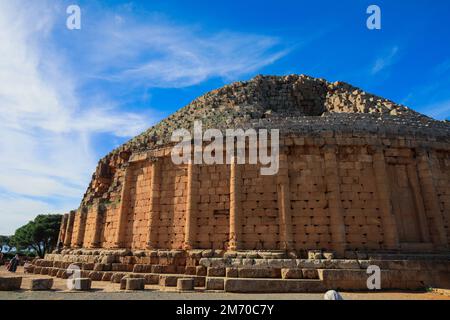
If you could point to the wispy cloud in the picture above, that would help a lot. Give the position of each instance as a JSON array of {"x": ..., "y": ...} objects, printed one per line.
[
  {"x": 385, "y": 61},
  {"x": 56, "y": 98},
  {"x": 159, "y": 53},
  {"x": 46, "y": 128}
]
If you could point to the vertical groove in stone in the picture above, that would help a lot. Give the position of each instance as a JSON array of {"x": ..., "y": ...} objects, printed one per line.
[
  {"x": 418, "y": 200},
  {"x": 389, "y": 224},
  {"x": 69, "y": 230},
  {"x": 235, "y": 206},
  {"x": 284, "y": 204},
  {"x": 431, "y": 200},
  {"x": 191, "y": 206},
  {"x": 337, "y": 224},
  {"x": 153, "y": 218},
  {"x": 123, "y": 210}
]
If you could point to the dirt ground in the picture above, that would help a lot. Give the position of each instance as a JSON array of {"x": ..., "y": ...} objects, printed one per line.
[{"x": 110, "y": 291}]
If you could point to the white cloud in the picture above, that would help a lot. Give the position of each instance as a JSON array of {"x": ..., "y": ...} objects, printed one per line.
[
  {"x": 385, "y": 61},
  {"x": 46, "y": 134},
  {"x": 162, "y": 54},
  {"x": 49, "y": 115}
]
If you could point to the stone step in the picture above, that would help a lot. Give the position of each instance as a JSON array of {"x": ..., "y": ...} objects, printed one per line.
[{"x": 239, "y": 285}]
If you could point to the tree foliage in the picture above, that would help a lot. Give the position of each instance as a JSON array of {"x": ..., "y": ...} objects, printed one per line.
[
  {"x": 5, "y": 243},
  {"x": 41, "y": 234}
]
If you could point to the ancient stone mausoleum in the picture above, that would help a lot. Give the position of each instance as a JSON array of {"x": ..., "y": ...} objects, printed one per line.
[{"x": 357, "y": 172}]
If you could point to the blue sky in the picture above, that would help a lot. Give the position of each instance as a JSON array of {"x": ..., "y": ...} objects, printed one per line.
[{"x": 68, "y": 97}]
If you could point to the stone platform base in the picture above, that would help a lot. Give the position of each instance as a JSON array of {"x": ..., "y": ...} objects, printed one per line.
[{"x": 251, "y": 271}]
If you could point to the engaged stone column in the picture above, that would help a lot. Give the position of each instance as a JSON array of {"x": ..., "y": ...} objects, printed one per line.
[
  {"x": 337, "y": 224},
  {"x": 153, "y": 218},
  {"x": 62, "y": 230},
  {"x": 191, "y": 206},
  {"x": 390, "y": 237},
  {"x": 80, "y": 219},
  {"x": 420, "y": 207},
  {"x": 123, "y": 209},
  {"x": 235, "y": 206},
  {"x": 69, "y": 230},
  {"x": 97, "y": 213},
  {"x": 431, "y": 199},
  {"x": 284, "y": 204}
]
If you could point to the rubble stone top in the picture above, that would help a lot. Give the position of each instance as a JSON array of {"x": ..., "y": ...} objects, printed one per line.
[{"x": 294, "y": 103}]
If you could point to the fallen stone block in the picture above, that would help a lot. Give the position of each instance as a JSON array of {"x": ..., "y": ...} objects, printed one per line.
[
  {"x": 10, "y": 283},
  {"x": 81, "y": 284},
  {"x": 135, "y": 284},
  {"x": 185, "y": 284},
  {"x": 41, "y": 284}
]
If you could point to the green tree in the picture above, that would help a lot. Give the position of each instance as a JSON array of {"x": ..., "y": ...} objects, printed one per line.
[
  {"x": 41, "y": 234},
  {"x": 5, "y": 243}
]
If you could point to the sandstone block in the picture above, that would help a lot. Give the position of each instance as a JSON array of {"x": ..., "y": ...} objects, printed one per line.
[
  {"x": 117, "y": 276},
  {"x": 108, "y": 259},
  {"x": 310, "y": 274},
  {"x": 81, "y": 284},
  {"x": 151, "y": 278},
  {"x": 119, "y": 267},
  {"x": 95, "y": 275},
  {"x": 107, "y": 276},
  {"x": 28, "y": 268},
  {"x": 328, "y": 255},
  {"x": 216, "y": 272},
  {"x": 10, "y": 283},
  {"x": 168, "y": 281},
  {"x": 231, "y": 272},
  {"x": 291, "y": 273},
  {"x": 191, "y": 271},
  {"x": 311, "y": 264},
  {"x": 315, "y": 254},
  {"x": 215, "y": 283},
  {"x": 185, "y": 284},
  {"x": 272, "y": 285},
  {"x": 201, "y": 271},
  {"x": 41, "y": 284},
  {"x": 259, "y": 273},
  {"x": 135, "y": 284}
]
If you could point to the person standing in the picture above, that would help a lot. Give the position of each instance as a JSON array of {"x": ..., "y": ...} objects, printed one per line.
[{"x": 12, "y": 267}]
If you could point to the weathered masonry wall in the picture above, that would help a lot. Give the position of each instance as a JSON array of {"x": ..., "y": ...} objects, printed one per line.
[{"x": 330, "y": 193}]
